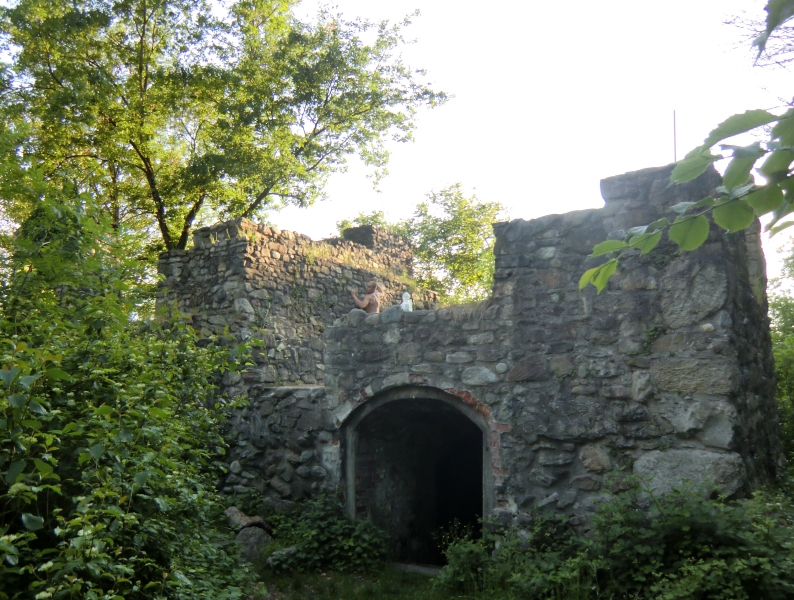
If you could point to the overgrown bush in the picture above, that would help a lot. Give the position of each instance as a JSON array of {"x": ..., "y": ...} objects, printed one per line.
[
  {"x": 319, "y": 535},
  {"x": 107, "y": 443},
  {"x": 677, "y": 546}
]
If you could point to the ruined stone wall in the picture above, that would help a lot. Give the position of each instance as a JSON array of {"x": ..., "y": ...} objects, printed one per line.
[
  {"x": 282, "y": 287},
  {"x": 666, "y": 374}
]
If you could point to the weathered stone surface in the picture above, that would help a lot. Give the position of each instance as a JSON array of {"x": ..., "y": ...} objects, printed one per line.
[
  {"x": 251, "y": 541},
  {"x": 355, "y": 317},
  {"x": 673, "y": 468},
  {"x": 641, "y": 385},
  {"x": 242, "y": 305},
  {"x": 460, "y": 357},
  {"x": 586, "y": 482},
  {"x": 528, "y": 369},
  {"x": 563, "y": 385},
  {"x": 561, "y": 366},
  {"x": 712, "y": 420},
  {"x": 715, "y": 375},
  {"x": 239, "y": 520},
  {"x": 692, "y": 290},
  {"x": 478, "y": 376},
  {"x": 595, "y": 458},
  {"x": 393, "y": 314}
]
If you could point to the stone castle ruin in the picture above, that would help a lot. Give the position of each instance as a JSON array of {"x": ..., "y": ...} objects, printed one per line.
[{"x": 542, "y": 397}]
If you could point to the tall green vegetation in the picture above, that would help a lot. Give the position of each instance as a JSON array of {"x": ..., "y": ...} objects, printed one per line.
[
  {"x": 171, "y": 112},
  {"x": 107, "y": 433},
  {"x": 452, "y": 240},
  {"x": 781, "y": 309},
  {"x": 681, "y": 546}
]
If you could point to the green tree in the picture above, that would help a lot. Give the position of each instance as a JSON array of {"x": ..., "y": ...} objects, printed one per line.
[
  {"x": 452, "y": 241},
  {"x": 377, "y": 218},
  {"x": 107, "y": 438},
  {"x": 740, "y": 200},
  {"x": 453, "y": 244},
  {"x": 170, "y": 114}
]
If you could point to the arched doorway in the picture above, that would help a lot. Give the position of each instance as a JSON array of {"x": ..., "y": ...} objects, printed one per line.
[{"x": 414, "y": 460}]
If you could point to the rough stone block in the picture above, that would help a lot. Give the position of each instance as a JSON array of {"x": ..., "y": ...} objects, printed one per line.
[
  {"x": 393, "y": 314},
  {"x": 251, "y": 541},
  {"x": 478, "y": 376},
  {"x": 595, "y": 458},
  {"x": 715, "y": 375},
  {"x": 692, "y": 290},
  {"x": 665, "y": 470},
  {"x": 459, "y": 357},
  {"x": 532, "y": 368},
  {"x": 587, "y": 483},
  {"x": 355, "y": 317},
  {"x": 561, "y": 366}
]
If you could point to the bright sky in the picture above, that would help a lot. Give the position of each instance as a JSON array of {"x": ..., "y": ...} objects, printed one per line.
[{"x": 551, "y": 97}]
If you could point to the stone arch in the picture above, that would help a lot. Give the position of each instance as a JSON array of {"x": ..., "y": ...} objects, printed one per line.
[{"x": 418, "y": 422}]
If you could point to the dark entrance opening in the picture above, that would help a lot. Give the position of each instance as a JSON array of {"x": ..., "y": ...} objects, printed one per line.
[{"x": 419, "y": 467}]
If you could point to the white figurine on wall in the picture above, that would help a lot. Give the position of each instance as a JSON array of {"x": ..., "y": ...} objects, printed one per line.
[{"x": 408, "y": 304}]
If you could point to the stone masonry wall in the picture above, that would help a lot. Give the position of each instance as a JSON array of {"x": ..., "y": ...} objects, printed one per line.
[
  {"x": 666, "y": 374},
  {"x": 281, "y": 287}
]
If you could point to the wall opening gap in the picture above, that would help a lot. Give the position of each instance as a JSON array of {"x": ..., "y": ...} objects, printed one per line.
[{"x": 418, "y": 469}]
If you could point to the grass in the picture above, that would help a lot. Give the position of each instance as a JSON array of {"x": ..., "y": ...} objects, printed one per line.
[{"x": 389, "y": 584}]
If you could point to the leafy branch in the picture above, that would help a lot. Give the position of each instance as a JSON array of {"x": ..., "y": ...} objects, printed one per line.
[{"x": 739, "y": 201}]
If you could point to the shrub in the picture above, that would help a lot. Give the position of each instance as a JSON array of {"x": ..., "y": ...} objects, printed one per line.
[
  {"x": 106, "y": 444},
  {"x": 319, "y": 535},
  {"x": 677, "y": 546}
]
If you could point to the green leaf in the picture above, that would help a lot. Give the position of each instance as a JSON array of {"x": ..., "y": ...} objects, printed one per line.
[
  {"x": 784, "y": 129},
  {"x": 14, "y": 469},
  {"x": 608, "y": 246},
  {"x": 689, "y": 233},
  {"x": 736, "y": 124},
  {"x": 28, "y": 380},
  {"x": 32, "y": 522},
  {"x": 682, "y": 207},
  {"x": 707, "y": 201},
  {"x": 96, "y": 451},
  {"x": 36, "y": 408},
  {"x": 140, "y": 478},
  {"x": 599, "y": 276},
  {"x": 639, "y": 230},
  {"x": 103, "y": 410},
  {"x": 8, "y": 375},
  {"x": 647, "y": 241},
  {"x": 691, "y": 167},
  {"x": 778, "y": 228},
  {"x": 42, "y": 467},
  {"x": 734, "y": 215},
  {"x": 57, "y": 374},
  {"x": 754, "y": 150},
  {"x": 17, "y": 400},
  {"x": 778, "y": 12},
  {"x": 158, "y": 412},
  {"x": 766, "y": 199},
  {"x": 738, "y": 172},
  {"x": 777, "y": 163}
]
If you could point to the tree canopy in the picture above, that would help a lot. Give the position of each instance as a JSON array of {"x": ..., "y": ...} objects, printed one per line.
[
  {"x": 170, "y": 113},
  {"x": 452, "y": 241}
]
